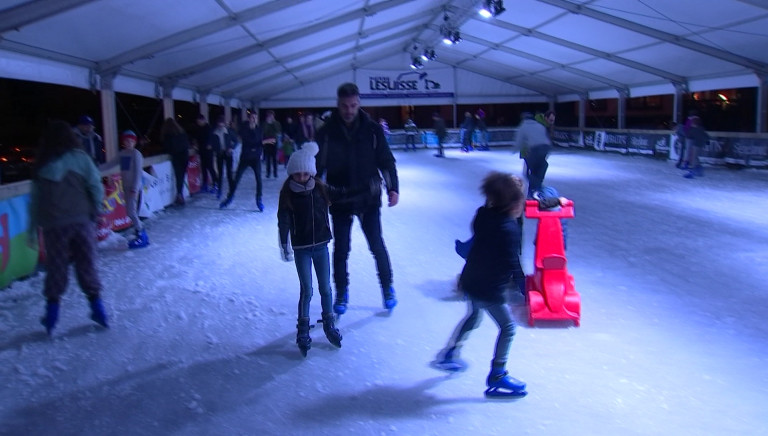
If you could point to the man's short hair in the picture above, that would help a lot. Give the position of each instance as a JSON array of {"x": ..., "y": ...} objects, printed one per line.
[{"x": 348, "y": 89}]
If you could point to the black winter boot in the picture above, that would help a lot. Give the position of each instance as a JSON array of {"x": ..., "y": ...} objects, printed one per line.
[
  {"x": 331, "y": 332},
  {"x": 302, "y": 336}
]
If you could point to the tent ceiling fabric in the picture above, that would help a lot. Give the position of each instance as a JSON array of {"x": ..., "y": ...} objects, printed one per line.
[{"x": 258, "y": 50}]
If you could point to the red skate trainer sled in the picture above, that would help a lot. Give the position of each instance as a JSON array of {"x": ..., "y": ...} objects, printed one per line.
[{"x": 550, "y": 291}]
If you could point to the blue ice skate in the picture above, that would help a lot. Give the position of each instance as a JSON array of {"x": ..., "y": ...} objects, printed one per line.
[
  {"x": 51, "y": 317},
  {"x": 501, "y": 385},
  {"x": 340, "y": 305},
  {"x": 448, "y": 361},
  {"x": 141, "y": 240},
  {"x": 388, "y": 296},
  {"x": 227, "y": 201},
  {"x": 98, "y": 315}
]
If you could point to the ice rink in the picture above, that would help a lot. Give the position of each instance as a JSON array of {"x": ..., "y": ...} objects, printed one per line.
[{"x": 673, "y": 338}]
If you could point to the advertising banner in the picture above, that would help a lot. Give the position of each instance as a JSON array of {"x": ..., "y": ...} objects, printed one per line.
[
  {"x": 751, "y": 152},
  {"x": 194, "y": 175},
  {"x": 17, "y": 259},
  {"x": 646, "y": 143},
  {"x": 405, "y": 83},
  {"x": 113, "y": 205},
  {"x": 567, "y": 138}
]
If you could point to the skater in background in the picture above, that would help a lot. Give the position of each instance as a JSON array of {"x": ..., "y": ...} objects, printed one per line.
[
  {"x": 359, "y": 175},
  {"x": 482, "y": 128},
  {"x": 131, "y": 170},
  {"x": 250, "y": 157},
  {"x": 202, "y": 137},
  {"x": 303, "y": 213},
  {"x": 223, "y": 140},
  {"x": 467, "y": 130},
  {"x": 272, "y": 131},
  {"x": 679, "y": 132},
  {"x": 176, "y": 143},
  {"x": 385, "y": 127},
  {"x": 411, "y": 130},
  {"x": 534, "y": 143},
  {"x": 65, "y": 201},
  {"x": 491, "y": 261},
  {"x": 440, "y": 132},
  {"x": 696, "y": 138}
]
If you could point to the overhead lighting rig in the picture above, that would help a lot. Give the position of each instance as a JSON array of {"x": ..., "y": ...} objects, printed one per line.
[
  {"x": 428, "y": 55},
  {"x": 492, "y": 8},
  {"x": 449, "y": 32},
  {"x": 416, "y": 63}
]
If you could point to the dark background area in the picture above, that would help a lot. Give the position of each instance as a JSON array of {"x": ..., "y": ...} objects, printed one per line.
[{"x": 25, "y": 108}]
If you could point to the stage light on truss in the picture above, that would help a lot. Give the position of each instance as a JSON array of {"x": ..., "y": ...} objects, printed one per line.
[
  {"x": 428, "y": 55},
  {"x": 416, "y": 64},
  {"x": 492, "y": 8}
]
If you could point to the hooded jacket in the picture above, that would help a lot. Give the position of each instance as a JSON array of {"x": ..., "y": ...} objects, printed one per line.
[{"x": 65, "y": 191}]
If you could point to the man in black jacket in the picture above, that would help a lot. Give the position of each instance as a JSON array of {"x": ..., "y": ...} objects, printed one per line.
[
  {"x": 250, "y": 136},
  {"x": 354, "y": 156}
]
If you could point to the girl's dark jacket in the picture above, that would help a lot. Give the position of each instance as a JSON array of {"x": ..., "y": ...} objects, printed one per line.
[
  {"x": 493, "y": 258},
  {"x": 354, "y": 160},
  {"x": 303, "y": 215}
]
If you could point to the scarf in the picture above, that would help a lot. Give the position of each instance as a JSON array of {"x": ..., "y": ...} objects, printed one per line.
[{"x": 302, "y": 187}]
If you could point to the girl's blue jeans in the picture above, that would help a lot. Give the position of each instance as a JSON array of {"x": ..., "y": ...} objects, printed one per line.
[{"x": 304, "y": 259}]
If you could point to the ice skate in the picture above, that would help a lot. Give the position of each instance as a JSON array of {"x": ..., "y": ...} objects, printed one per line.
[
  {"x": 260, "y": 205},
  {"x": 51, "y": 317},
  {"x": 227, "y": 201},
  {"x": 141, "y": 240},
  {"x": 448, "y": 361},
  {"x": 340, "y": 305},
  {"x": 331, "y": 332},
  {"x": 98, "y": 315},
  {"x": 388, "y": 296},
  {"x": 501, "y": 385},
  {"x": 302, "y": 336}
]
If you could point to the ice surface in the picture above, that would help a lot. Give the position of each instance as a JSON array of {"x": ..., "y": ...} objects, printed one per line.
[{"x": 673, "y": 338}]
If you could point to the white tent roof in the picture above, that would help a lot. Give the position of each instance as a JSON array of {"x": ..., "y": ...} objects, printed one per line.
[{"x": 275, "y": 52}]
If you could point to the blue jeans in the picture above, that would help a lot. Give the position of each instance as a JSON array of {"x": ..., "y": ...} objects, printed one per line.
[
  {"x": 500, "y": 313},
  {"x": 304, "y": 258}
]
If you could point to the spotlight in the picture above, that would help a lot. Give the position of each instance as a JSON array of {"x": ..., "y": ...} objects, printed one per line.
[
  {"x": 492, "y": 8},
  {"x": 451, "y": 36},
  {"x": 416, "y": 64},
  {"x": 428, "y": 55},
  {"x": 449, "y": 33}
]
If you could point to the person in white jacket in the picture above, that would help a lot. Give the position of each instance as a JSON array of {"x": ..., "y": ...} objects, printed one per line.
[{"x": 534, "y": 145}]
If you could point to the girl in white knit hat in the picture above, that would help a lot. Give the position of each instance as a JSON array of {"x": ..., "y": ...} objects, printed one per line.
[{"x": 303, "y": 213}]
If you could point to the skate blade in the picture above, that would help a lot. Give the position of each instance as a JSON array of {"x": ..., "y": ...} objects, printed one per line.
[{"x": 501, "y": 394}]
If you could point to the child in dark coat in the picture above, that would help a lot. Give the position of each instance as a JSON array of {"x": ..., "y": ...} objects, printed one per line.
[
  {"x": 65, "y": 202},
  {"x": 491, "y": 261},
  {"x": 303, "y": 213}
]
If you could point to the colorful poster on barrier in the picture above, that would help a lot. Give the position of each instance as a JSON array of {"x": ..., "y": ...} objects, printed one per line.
[
  {"x": 115, "y": 217},
  {"x": 194, "y": 177},
  {"x": 17, "y": 259}
]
